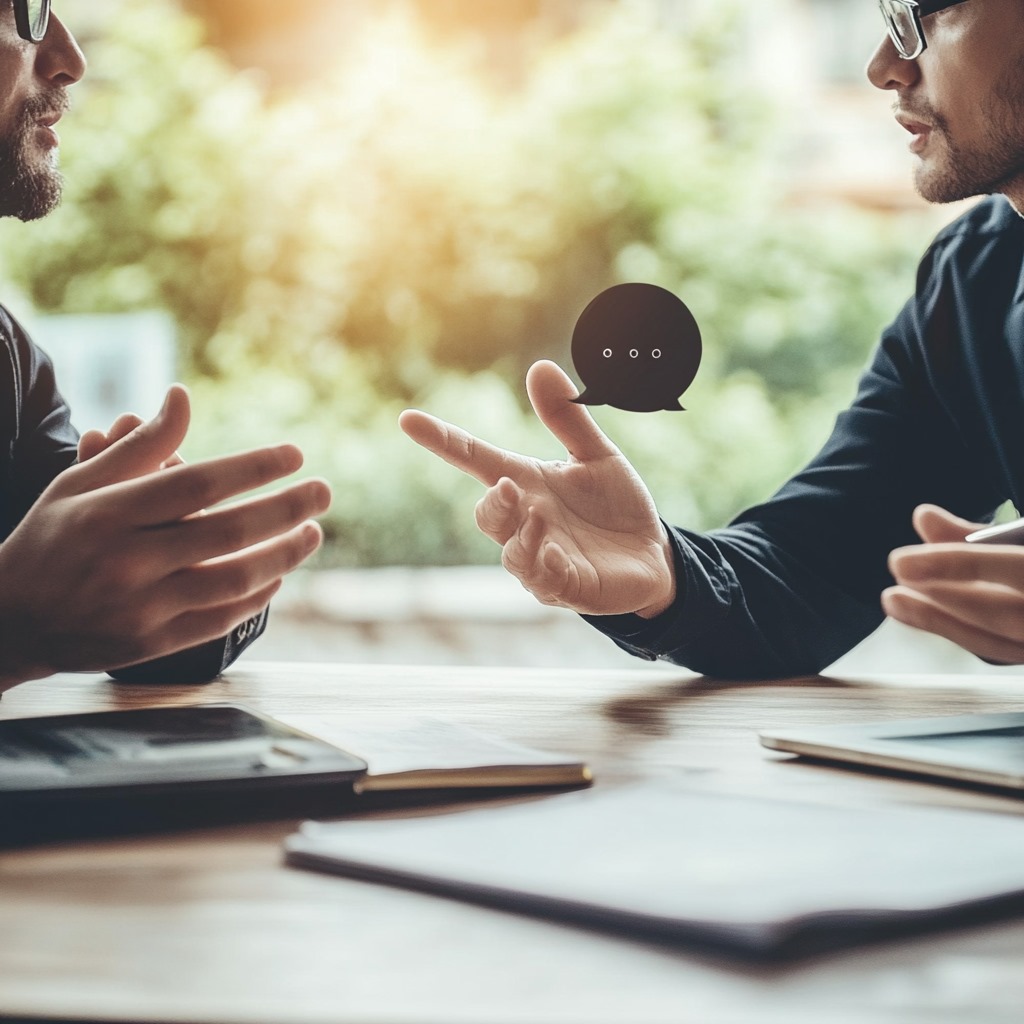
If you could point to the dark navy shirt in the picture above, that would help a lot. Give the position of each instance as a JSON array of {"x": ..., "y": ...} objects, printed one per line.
[
  {"x": 37, "y": 442},
  {"x": 794, "y": 583}
]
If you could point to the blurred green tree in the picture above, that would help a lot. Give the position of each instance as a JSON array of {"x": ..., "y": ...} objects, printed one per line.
[{"x": 404, "y": 230}]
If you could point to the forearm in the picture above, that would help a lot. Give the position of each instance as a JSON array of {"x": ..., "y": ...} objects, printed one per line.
[{"x": 746, "y": 610}]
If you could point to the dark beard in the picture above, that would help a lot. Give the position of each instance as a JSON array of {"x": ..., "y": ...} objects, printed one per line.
[
  {"x": 999, "y": 165},
  {"x": 25, "y": 192}
]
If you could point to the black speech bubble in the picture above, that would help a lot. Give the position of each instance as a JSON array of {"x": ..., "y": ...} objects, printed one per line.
[{"x": 636, "y": 347}]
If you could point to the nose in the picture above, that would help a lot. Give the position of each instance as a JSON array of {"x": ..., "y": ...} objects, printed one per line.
[
  {"x": 888, "y": 70},
  {"x": 58, "y": 57}
]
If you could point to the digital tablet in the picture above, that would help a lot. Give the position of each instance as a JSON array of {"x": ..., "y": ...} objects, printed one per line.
[
  {"x": 982, "y": 749},
  {"x": 116, "y": 771}
]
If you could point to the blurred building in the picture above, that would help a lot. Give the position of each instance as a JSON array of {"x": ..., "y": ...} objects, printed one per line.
[{"x": 109, "y": 363}]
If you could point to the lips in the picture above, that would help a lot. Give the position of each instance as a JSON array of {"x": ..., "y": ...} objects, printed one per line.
[
  {"x": 921, "y": 130},
  {"x": 913, "y": 126}
]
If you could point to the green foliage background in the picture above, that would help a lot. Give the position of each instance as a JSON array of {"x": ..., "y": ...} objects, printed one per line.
[{"x": 405, "y": 230}]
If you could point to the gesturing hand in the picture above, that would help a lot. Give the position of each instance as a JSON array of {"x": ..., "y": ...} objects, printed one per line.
[
  {"x": 92, "y": 442},
  {"x": 972, "y": 594},
  {"x": 581, "y": 534},
  {"x": 113, "y": 565}
]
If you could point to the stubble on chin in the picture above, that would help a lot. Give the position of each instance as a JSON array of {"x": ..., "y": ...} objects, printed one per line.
[
  {"x": 28, "y": 194},
  {"x": 994, "y": 165},
  {"x": 30, "y": 187}
]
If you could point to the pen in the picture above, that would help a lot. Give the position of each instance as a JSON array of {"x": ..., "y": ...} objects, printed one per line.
[{"x": 1003, "y": 533}]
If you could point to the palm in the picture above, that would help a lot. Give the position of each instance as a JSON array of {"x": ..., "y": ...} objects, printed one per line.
[
  {"x": 583, "y": 533},
  {"x": 601, "y": 517}
]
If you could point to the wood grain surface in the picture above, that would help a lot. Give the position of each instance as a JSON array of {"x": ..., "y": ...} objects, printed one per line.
[{"x": 209, "y": 926}]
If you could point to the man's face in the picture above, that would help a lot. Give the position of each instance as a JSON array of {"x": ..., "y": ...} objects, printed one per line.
[
  {"x": 33, "y": 94},
  {"x": 963, "y": 100}
]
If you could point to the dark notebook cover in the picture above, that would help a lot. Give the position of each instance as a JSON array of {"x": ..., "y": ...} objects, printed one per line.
[
  {"x": 114, "y": 772},
  {"x": 753, "y": 878}
]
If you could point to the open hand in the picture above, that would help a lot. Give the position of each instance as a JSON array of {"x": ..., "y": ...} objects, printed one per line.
[
  {"x": 113, "y": 565},
  {"x": 581, "y": 534},
  {"x": 972, "y": 594}
]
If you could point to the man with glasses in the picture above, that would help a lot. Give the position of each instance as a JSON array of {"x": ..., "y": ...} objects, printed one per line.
[
  {"x": 903, "y": 20},
  {"x": 932, "y": 445},
  {"x": 107, "y": 559}
]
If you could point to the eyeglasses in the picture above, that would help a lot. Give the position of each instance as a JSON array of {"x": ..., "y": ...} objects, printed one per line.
[
  {"x": 903, "y": 20},
  {"x": 32, "y": 18}
]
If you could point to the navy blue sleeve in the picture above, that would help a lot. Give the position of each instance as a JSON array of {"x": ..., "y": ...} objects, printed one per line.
[{"x": 794, "y": 583}]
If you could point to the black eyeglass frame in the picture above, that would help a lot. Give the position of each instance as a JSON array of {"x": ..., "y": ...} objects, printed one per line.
[
  {"x": 33, "y": 33},
  {"x": 918, "y": 9}
]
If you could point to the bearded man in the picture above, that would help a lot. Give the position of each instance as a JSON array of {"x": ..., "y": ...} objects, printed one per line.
[
  {"x": 932, "y": 445},
  {"x": 107, "y": 559}
]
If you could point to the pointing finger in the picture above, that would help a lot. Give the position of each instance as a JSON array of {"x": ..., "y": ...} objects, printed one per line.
[{"x": 458, "y": 447}]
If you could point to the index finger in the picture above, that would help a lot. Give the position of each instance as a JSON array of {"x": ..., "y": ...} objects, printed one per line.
[{"x": 458, "y": 447}]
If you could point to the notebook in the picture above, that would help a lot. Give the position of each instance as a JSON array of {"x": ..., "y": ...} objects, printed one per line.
[
  {"x": 425, "y": 753},
  {"x": 138, "y": 770},
  {"x": 751, "y": 878},
  {"x": 111, "y": 772},
  {"x": 981, "y": 749}
]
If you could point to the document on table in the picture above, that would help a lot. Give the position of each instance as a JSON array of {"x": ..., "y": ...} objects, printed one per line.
[
  {"x": 433, "y": 753},
  {"x": 754, "y": 878}
]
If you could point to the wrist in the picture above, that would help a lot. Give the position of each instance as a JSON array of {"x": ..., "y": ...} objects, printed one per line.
[
  {"x": 667, "y": 589},
  {"x": 652, "y": 611}
]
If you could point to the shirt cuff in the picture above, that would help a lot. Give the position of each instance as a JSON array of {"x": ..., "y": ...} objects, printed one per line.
[
  {"x": 702, "y": 600},
  {"x": 197, "y": 664}
]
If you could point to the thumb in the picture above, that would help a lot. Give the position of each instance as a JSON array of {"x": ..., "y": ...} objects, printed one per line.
[
  {"x": 551, "y": 394},
  {"x": 142, "y": 450},
  {"x": 935, "y": 525}
]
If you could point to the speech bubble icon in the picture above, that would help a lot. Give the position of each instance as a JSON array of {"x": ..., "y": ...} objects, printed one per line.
[{"x": 636, "y": 347}]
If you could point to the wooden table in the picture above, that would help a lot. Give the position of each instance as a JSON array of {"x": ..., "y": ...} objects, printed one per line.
[{"x": 209, "y": 926}]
